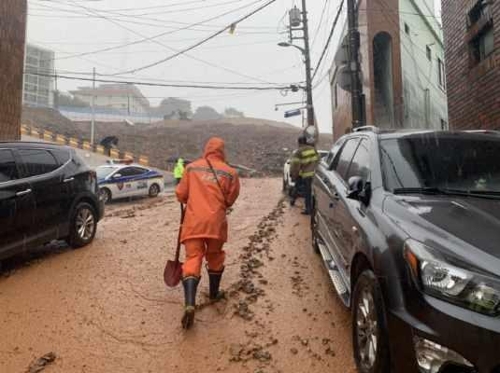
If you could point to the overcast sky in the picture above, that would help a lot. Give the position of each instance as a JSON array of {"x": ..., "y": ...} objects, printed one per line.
[{"x": 249, "y": 56}]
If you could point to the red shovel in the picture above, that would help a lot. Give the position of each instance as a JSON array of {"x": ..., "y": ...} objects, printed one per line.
[{"x": 173, "y": 270}]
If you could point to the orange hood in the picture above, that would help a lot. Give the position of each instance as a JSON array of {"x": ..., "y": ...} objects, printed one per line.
[{"x": 214, "y": 149}]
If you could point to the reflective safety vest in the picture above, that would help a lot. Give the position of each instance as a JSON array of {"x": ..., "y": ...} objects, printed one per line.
[
  {"x": 304, "y": 161},
  {"x": 179, "y": 169}
]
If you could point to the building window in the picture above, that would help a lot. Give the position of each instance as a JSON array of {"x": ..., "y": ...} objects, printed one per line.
[
  {"x": 444, "y": 125},
  {"x": 407, "y": 29},
  {"x": 480, "y": 11},
  {"x": 480, "y": 32},
  {"x": 428, "y": 52},
  {"x": 483, "y": 45},
  {"x": 442, "y": 74}
]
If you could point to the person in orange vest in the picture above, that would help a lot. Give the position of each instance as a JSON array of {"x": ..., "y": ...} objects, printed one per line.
[{"x": 209, "y": 188}]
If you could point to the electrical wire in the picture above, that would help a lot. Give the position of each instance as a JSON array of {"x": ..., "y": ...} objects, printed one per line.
[
  {"x": 327, "y": 44},
  {"x": 118, "y": 17},
  {"x": 323, "y": 12},
  {"x": 184, "y": 53},
  {"x": 139, "y": 83},
  {"x": 203, "y": 41},
  {"x": 157, "y": 36}
]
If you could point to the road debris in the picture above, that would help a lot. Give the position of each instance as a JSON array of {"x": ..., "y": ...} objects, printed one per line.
[{"x": 41, "y": 363}]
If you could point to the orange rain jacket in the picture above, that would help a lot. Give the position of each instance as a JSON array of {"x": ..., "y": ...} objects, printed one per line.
[{"x": 206, "y": 206}]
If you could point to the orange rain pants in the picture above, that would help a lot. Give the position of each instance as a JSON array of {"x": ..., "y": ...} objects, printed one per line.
[{"x": 196, "y": 249}]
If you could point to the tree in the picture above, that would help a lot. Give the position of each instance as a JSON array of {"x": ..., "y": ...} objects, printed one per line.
[
  {"x": 233, "y": 113},
  {"x": 206, "y": 113},
  {"x": 171, "y": 108}
]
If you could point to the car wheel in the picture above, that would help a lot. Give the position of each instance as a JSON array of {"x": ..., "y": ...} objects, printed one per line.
[
  {"x": 370, "y": 341},
  {"x": 83, "y": 225},
  {"x": 314, "y": 228},
  {"x": 106, "y": 195},
  {"x": 154, "y": 190}
]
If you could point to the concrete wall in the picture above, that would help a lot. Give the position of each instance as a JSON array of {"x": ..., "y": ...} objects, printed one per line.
[
  {"x": 13, "y": 15},
  {"x": 473, "y": 89},
  {"x": 424, "y": 98}
]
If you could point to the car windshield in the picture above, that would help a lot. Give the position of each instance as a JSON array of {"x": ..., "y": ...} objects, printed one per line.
[
  {"x": 459, "y": 163},
  {"x": 103, "y": 172}
]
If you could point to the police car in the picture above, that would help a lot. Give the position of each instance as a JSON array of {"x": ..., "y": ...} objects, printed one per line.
[{"x": 128, "y": 180}]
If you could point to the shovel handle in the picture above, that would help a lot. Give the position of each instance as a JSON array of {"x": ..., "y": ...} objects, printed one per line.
[{"x": 178, "y": 251}]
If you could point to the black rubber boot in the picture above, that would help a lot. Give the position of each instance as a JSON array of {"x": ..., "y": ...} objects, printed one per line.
[
  {"x": 214, "y": 286},
  {"x": 190, "y": 286}
]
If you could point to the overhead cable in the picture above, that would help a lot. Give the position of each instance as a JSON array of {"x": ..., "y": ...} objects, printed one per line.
[
  {"x": 203, "y": 41},
  {"x": 327, "y": 44}
]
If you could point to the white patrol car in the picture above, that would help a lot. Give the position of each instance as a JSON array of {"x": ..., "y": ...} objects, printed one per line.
[{"x": 128, "y": 180}]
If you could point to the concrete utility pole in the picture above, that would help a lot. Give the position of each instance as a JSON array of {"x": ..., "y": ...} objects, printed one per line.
[
  {"x": 357, "y": 98},
  {"x": 307, "y": 56},
  {"x": 92, "y": 124}
]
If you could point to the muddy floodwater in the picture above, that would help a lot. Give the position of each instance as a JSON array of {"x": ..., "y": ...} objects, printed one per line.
[{"x": 105, "y": 308}]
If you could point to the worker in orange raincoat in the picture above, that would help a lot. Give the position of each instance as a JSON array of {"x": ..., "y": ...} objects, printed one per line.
[{"x": 209, "y": 188}]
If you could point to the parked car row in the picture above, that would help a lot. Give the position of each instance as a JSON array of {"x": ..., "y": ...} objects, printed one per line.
[
  {"x": 47, "y": 192},
  {"x": 408, "y": 225}
]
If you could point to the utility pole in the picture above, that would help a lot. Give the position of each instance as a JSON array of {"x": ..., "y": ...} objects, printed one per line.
[
  {"x": 357, "y": 98},
  {"x": 92, "y": 124},
  {"x": 307, "y": 56}
]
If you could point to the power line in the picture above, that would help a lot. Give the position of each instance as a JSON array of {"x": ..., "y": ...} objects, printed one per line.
[
  {"x": 319, "y": 23},
  {"x": 177, "y": 51},
  {"x": 88, "y": 73},
  {"x": 154, "y": 37},
  {"x": 203, "y": 41},
  {"x": 118, "y": 16},
  {"x": 327, "y": 45},
  {"x": 226, "y": 2},
  {"x": 139, "y": 83}
]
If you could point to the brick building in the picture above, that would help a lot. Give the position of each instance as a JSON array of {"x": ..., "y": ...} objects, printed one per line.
[
  {"x": 402, "y": 63},
  {"x": 13, "y": 15},
  {"x": 472, "y": 38}
]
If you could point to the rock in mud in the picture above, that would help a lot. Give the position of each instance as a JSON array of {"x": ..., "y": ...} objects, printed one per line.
[
  {"x": 41, "y": 363},
  {"x": 262, "y": 356}
]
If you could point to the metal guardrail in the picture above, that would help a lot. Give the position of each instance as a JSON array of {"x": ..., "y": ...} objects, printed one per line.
[{"x": 49, "y": 136}]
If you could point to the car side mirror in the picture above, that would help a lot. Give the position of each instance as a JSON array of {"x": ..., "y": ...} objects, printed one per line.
[
  {"x": 116, "y": 176},
  {"x": 359, "y": 190}
]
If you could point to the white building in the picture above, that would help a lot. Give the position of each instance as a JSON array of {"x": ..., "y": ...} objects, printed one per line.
[
  {"x": 126, "y": 98},
  {"x": 422, "y": 59},
  {"x": 38, "y": 89}
]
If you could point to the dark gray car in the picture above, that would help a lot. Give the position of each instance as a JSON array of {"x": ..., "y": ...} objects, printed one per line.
[{"x": 408, "y": 226}]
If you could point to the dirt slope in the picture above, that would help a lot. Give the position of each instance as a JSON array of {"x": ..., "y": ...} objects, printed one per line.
[{"x": 251, "y": 142}]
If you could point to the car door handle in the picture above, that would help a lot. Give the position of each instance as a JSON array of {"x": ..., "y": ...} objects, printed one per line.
[
  {"x": 23, "y": 193},
  {"x": 69, "y": 180}
]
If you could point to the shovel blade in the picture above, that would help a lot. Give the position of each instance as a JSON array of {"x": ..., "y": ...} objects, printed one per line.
[{"x": 173, "y": 273}]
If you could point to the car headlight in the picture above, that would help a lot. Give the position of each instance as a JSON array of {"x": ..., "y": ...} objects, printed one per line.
[{"x": 446, "y": 278}]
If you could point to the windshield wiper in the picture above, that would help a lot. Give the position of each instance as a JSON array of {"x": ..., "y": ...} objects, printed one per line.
[
  {"x": 423, "y": 190},
  {"x": 448, "y": 192},
  {"x": 478, "y": 193}
]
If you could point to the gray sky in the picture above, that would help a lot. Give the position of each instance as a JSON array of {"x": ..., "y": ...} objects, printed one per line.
[{"x": 249, "y": 56}]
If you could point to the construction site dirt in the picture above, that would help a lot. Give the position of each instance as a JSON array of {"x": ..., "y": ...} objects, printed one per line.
[{"x": 105, "y": 308}]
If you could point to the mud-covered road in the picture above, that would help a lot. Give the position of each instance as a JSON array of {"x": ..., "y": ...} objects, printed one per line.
[{"x": 104, "y": 308}]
